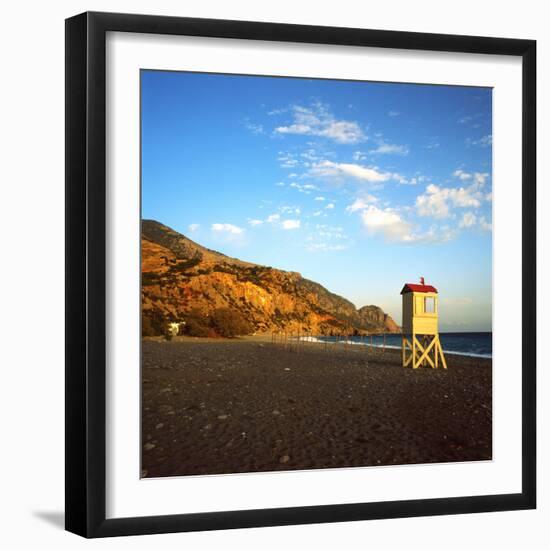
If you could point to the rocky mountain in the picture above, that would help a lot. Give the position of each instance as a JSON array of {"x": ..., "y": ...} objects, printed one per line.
[
  {"x": 373, "y": 316},
  {"x": 180, "y": 277}
]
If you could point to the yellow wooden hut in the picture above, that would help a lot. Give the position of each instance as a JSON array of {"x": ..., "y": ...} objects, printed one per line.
[{"x": 420, "y": 335}]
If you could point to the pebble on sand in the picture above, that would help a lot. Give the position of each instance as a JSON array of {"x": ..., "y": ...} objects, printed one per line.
[
  {"x": 284, "y": 459},
  {"x": 149, "y": 446}
]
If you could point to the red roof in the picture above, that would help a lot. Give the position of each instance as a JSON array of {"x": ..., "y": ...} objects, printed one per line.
[{"x": 411, "y": 287}]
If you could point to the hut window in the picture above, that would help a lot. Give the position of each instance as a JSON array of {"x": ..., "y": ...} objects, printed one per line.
[{"x": 429, "y": 305}]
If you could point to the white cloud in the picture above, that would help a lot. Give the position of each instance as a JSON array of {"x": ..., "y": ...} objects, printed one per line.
[
  {"x": 387, "y": 223},
  {"x": 485, "y": 225},
  {"x": 479, "y": 178},
  {"x": 361, "y": 203},
  {"x": 194, "y": 227},
  {"x": 464, "y": 119},
  {"x": 226, "y": 228},
  {"x": 328, "y": 238},
  {"x": 290, "y": 210},
  {"x": 329, "y": 230},
  {"x": 484, "y": 141},
  {"x": 393, "y": 113},
  {"x": 316, "y": 120},
  {"x": 391, "y": 149},
  {"x": 318, "y": 213},
  {"x": 462, "y": 197},
  {"x": 359, "y": 155},
  {"x": 327, "y": 168},
  {"x": 274, "y": 112},
  {"x": 319, "y": 198},
  {"x": 330, "y": 206},
  {"x": 287, "y": 160},
  {"x": 276, "y": 221},
  {"x": 310, "y": 154},
  {"x": 294, "y": 129},
  {"x": 303, "y": 188},
  {"x": 254, "y": 223},
  {"x": 280, "y": 183},
  {"x": 254, "y": 128},
  {"x": 461, "y": 175},
  {"x": 326, "y": 247},
  {"x": 416, "y": 180},
  {"x": 290, "y": 224},
  {"x": 343, "y": 132},
  {"x": 469, "y": 219},
  {"x": 400, "y": 179},
  {"x": 472, "y": 121},
  {"x": 433, "y": 203},
  {"x": 434, "y": 144},
  {"x": 437, "y": 201}
]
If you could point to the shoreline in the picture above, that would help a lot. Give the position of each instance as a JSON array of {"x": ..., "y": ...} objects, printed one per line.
[
  {"x": 267, "y": 338},
  {"x": 215, "y": 406}
]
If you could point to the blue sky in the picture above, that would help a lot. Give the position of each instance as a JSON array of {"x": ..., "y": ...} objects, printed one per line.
[{"x": 360, "y": 186}]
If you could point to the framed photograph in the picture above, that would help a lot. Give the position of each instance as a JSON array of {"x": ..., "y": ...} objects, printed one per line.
[{"x": 300, "y": 274}]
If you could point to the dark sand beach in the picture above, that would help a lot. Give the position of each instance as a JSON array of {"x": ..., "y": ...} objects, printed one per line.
[{"x": 246, "y": 405}]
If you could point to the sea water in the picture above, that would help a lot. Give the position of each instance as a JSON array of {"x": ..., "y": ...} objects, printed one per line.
[{"x": 473, "y": 344}]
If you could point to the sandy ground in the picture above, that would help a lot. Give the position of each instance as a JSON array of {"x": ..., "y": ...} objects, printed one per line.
[{"x": 244, "y": 405}]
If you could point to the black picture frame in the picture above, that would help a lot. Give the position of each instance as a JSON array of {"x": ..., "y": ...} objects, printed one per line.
[{"x": 86, "y": 274}]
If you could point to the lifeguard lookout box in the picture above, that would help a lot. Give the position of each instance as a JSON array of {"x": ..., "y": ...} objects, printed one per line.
[{"x": 420, "y": 336}]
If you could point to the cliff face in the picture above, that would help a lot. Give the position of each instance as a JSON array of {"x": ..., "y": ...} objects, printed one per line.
[
  {"x": 373, "y": 316},
  {"x": 179, "y": 275}
]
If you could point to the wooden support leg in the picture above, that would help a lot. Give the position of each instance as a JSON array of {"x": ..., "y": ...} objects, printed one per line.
[
  {"x": 426, "y": 343},
  {"x": 424, "y": 352},
  {"x": 443, "y": 361},
  {"x": 407, "y": 344}
]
